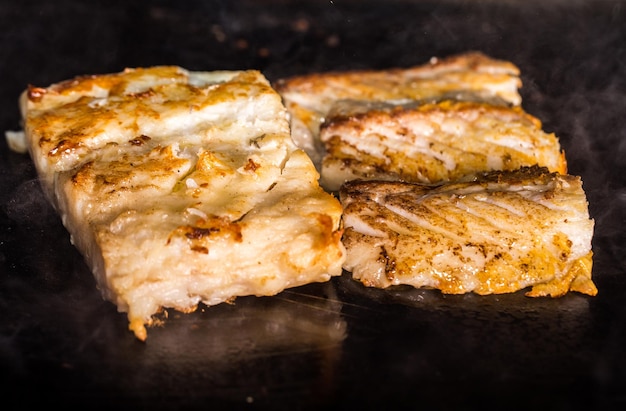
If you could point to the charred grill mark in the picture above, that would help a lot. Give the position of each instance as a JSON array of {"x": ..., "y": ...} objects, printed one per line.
[
  {"x": 139, "y": 141},
  {"x": 241, "y": 218},
  {"x": 255, "y": 141},
  {"x": 457, "y": 251},
  {"x": 390, "y": 264},
  {"x": 197, "y": 232},
  {"x": 43, "y": 141}
]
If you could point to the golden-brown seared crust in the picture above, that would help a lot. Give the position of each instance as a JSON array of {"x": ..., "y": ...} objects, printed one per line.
[
  {"x": 311, "y": 98},
  {"x": 69, "y": 120},
  {"x": 434, "y": 142},
  {"x": 499, "y": 232}
]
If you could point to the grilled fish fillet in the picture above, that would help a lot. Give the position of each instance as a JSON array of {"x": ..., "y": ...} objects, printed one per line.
[
  {"x": 312, "y": 98},
  {"x": 182, "y": 187},
  {"x": 434, "y": 142},
  {"x": 499, "y": 232}
]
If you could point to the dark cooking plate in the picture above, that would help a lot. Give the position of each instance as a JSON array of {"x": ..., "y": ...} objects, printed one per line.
[{"x": 336, "y": 344}]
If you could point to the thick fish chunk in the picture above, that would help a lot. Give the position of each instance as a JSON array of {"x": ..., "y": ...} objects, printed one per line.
[
  {"x": 313, "y": 99},
  {"x": 182, "y": 187},
  {"x": 434, "y": 143},
  {"x": 497, "y": 232}
]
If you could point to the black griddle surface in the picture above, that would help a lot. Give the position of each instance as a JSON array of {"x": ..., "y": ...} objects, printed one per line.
[{"x": 333, "y": 345}]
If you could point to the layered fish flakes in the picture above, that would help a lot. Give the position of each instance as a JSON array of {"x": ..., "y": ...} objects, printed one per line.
[
  {"x": 446, "y": 182},
  {"x": 434, "y": 143},
  {"x": 317, "y": 99},
  {"x": 494, "y": 233},
  {"x": 182, "y": 187}
]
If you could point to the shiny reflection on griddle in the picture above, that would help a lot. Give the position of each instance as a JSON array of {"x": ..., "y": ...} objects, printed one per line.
[
  {"x": 508, "y": 339},
  {"x": 286, "y": 346}
]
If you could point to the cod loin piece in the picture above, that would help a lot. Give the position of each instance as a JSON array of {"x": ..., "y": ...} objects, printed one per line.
[
  {"x": 316, "y": 98},
  {"x": 434, "y": 143},
  {"x": 497, "y": 232},
  {"x": 181, "y": 187}
]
